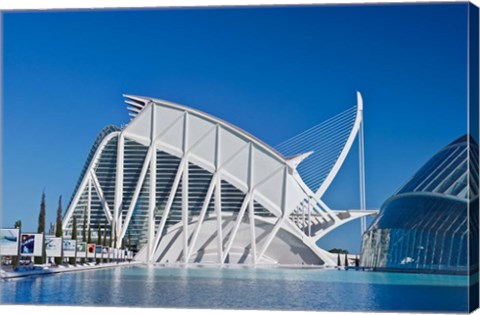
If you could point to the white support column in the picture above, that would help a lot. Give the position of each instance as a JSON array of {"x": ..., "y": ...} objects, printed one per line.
[
  {"x": 218, "y": 197},
  {"x": 303, "y": 217},
  {"x": 117, "y": 211},
  {"x": 251, "y": 212},
  {"x": 185, "y": 190},
  {"x": 153, "y": 188},
  {"x": 309, "y": 218}
]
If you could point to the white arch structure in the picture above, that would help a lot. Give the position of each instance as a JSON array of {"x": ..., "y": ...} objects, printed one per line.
[{"x": 191, "y": 188}]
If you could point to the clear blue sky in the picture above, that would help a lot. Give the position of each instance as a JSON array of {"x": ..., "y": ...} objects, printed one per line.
[{"x": 271, "y": 71}]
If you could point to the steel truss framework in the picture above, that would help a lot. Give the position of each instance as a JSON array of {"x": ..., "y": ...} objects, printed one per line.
[{"x": 187, "y": 187}]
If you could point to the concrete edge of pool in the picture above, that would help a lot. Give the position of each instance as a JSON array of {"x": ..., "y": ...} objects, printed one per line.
[{"x": 5, "y": 275}]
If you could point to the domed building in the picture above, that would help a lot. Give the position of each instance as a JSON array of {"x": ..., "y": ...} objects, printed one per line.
[{"x": 424, "y": 227}]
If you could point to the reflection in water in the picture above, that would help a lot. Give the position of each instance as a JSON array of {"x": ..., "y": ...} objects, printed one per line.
[{"x": 242, "y": 288}]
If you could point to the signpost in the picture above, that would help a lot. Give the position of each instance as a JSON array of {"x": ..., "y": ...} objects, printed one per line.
[
  {"x": 81, "y": 249},
  {"x": 53, "y": 246},
  {"x": 90, "y": 250},
  {"x": 9, "y": 242},
  {"x": 31, "y": 244},
  {"x": 69, "y": 248}
]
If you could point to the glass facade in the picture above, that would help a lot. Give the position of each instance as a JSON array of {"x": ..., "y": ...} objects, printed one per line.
[{"x": 424, "y": 226}]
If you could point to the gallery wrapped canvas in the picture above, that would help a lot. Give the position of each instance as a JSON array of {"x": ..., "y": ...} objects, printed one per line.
[{"x": 281, "y": 157}]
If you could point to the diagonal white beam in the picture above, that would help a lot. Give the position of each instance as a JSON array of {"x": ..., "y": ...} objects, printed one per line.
[
  {"x": 343, "y": 154},
  {"x": 320, "y": 211},
  {"x": 236, "y": 227},
  {"x": 89, "y": 201},
  {"x": 201, "y": 216},
  {"x": 182, "y": 166},
  {"x": 85, "y": 179},
  {"x": 358, "y": 215},
  {"x": 313, "y": 197},
  {"x": 280, "y": 220},
  {"x": 271, "y": 236},
  {"x": 170, "y": 199},
  {"x": 100, "y": 194},
  {"x": 136, "y": 193},
  {"x": 146, "y": 163}
]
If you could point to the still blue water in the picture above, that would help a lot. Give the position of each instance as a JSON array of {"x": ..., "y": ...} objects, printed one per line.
[{"x": 243, "y": 288}]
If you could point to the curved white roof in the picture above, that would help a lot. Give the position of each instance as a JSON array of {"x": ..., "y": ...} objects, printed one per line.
[
  {"x": 139, "y": 102},
  {"x": 214, "y": 144}
]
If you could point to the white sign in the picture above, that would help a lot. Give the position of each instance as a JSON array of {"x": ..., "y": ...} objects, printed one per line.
[
  {"x": 53, "y": 246},
  {"x": 9, "y": 240},
  {"x": 31, "y": 244},
  {"x": 69, "y": 248},
  {"x": 81, "y": 249},
  {"x": 91, "y": 250}
]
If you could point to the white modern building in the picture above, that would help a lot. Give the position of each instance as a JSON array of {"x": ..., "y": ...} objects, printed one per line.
[{"x": 186, "y": 187}]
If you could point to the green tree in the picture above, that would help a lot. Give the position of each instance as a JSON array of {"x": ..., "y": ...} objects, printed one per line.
[
  {"x": 115, "y": 237},
  {"x": 58, "y": 224},
  {"x": 104, "y": 236},
  {"x": 74, "y": 228},
  {"x": 41, "y": 229},
  {"x": 99, "y": 235},
  {"x": 15, "y": 259},
  {"x": 338, "y": 251},
  {"x": 129, "y": 241},
  {"x": 89, "y": 238},
  {"x": 73, "y": 260},
  {"x": 110, "y": 240},
  {"x": 346, "y": 261},
  {"x": 104, "y": 240},
  {"x": 58, "y": 227}
]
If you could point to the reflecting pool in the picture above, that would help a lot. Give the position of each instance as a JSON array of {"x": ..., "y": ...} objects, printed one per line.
[{"x": 243, "y": 288}]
